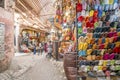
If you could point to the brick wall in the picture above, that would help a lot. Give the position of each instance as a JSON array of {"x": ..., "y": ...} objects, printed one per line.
[{"x": 7, "y": 18}]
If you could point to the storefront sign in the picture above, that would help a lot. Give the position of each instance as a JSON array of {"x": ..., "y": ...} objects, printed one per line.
[{"x": 2, "y": 34}]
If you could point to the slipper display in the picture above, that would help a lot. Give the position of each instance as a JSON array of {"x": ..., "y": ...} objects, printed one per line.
[
  {"x": 83, "y": 68},
  {"x": 115, "y": 5},
  {"x": 96, "y": 24},
  {"x": 117, "y": 62},
  {"x": 116, "y": 50},
  {"x": 117, "y": 68},
  {"x": 80, "y": 18},
  {"x": 111, "y": 1},
  {"x": 104, "y": 68},
  {"x": 108, "y": 62},
  {"x": 105, "y": 63},
  {"x": 118, "y": 73},
  {"x": 96, "y": 7},
  {"x": 98, "y": 52},
  {"x": 111, "y": 45},
  {"x": 81, "y": 58},
  {"x": 85, "y": 30},
  {"x": 112, "y": 68},
  {"x": 85, "y": 46},
  {"x": 103, "y": 13},
  {"x": 79, "y": 30},
  {"x": 111, "y": 56},
  {"x": 100, "y": 74},
  {"x": 89, "y": 46},
  {"x": 90, "y": 35},
  {"x": 79, "y": 24},
  {"x": 113, "y": 74},
  {"x": 116, "y": 57},
  {"x": 100, "y": 62},
  {"x": 107, "y": 18},
  {"x": 112, "y": 62},
  {"x": 102, "y": 51},
  {"x": 81, "y": 63},
  {"x": 107, "y": 73},
  {"x": 84, "y": 5},
  {"x": 82, "y": 53},
  {"x": 89, "y": 51},
  {"x": 106, "y": 6},
  {"x": 91, "y": 13},
  {"x": 94, "y": 46},
  {"x": 117, "y": 44},
  {"x": 79, "y": 7},
  {"x": 100, "y": 22},
  {"x": 95, "y": 68},
  {"x": 89, "y": 58},
  {"x": 106, "y": 56},
  {"x": 92, "y": 74},
  {"x": 99, "y": 57},
  {"x": 93, "y": 57},
  {"x": 87, "y": 14}
]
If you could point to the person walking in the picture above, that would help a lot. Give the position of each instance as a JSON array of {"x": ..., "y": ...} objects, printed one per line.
[
  {"x": 34, "y": 51},
  {"x": 50, "y": 49},
  {"x": 40, "y": 48},
  {"x": 45, "y": 47}
]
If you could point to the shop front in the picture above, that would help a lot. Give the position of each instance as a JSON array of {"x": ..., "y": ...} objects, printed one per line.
[{"x": 28, "y": 38}]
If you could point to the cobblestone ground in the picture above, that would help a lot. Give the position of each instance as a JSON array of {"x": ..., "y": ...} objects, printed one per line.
[{"x": 32, "y": 67}]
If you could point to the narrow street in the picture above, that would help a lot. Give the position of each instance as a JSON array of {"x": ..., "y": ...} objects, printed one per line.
[{"x": 30, "y": 67}]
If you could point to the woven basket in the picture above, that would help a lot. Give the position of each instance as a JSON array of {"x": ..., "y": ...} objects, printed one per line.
[{"x": 70, "y": 65}]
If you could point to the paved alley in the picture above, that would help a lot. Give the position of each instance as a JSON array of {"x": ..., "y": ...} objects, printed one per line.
[{"x": 30, "y": 67}]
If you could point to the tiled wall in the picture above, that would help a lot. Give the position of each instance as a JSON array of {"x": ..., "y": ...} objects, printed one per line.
[{"x": 8, "y": 19}]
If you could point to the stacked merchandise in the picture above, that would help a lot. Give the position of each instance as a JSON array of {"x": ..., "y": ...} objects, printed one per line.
[
  {"x": 68, "y": 10},
  {"x": 65, "y": 15},
  {"x": 64, "y": 47},
  {"x": 58, "y": 16},
  {"x": 98, "y": 23},
  {"x": 29, "y": 38}
]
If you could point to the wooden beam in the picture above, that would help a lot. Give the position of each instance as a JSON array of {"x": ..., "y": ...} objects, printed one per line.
[{"x": 31, "y": 13}]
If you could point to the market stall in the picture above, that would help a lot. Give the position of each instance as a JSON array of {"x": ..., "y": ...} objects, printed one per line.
[
  {"x": 28, "y": 39},
  {"x": 95, "y": 26},
  {"x": 98, "y": 39},
  {"x": 64, "y": 20}
]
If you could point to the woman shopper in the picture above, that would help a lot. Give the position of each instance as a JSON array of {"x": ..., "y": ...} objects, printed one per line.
[{"x": 45, "y": 47}]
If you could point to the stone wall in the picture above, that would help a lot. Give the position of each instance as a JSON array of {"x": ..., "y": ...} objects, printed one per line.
[{"x": 7, "y": 18}]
